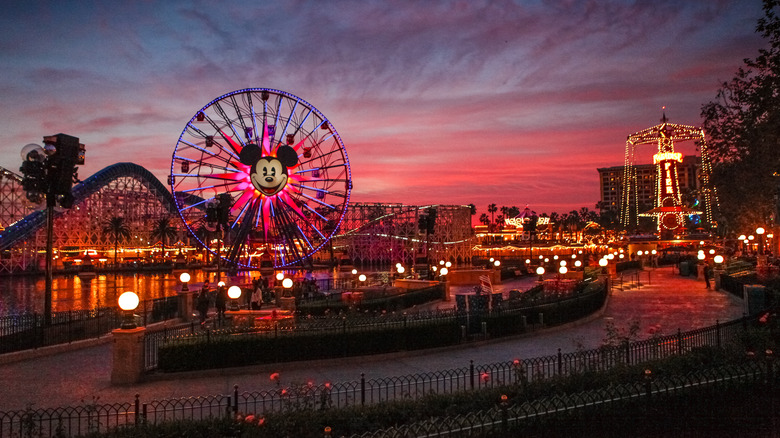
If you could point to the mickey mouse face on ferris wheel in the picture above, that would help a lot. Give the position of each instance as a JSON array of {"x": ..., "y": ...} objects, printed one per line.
[{"x": 268, "y": 173}]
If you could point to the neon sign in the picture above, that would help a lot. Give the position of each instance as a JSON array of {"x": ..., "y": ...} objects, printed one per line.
[{"x": 666, "y": 156}]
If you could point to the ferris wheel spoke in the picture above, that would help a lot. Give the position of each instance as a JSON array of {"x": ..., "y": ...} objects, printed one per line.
[{"x": 291, "y": 223}]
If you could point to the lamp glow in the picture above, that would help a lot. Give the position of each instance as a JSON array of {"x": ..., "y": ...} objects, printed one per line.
[
  {"x": 444, "y": 271},
  {"x": 280, "y": 276},
  {"x": 184, "y": 277},
  {"x": 128, "y": 301},
  {"x": 603, "y": 262},
  {"x": 234, "y": 292},
  {"x": 718, "y": 259},
  {"x": 760, "y": 230},
  {"x": 563, "y": 270},
  {"x": 287, "y": 283},
  {"x": 362, "y": 277},
  {"x": 540, "y": 270}
]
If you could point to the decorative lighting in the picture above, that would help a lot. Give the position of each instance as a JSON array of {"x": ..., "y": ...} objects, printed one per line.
[
  {"x": 287, "y": 283},
  {"x": 497, "y": 263},
  {"x": 718, "y": 259},
  {"x": 540, "y": 271},
  {"x": 354, "y": 271},
  {"x": 760, "y": 230},
  {"x": 449, "y": 264},
  {"x": 362, "y": 277},
  {"x": 184, "y": 278},
  {"x": 279, "y": 276},
  {"x": 128, "y": 302},
  {"x": 577, "y": 264},
  {"x": 701, "y": 256},
  {"x": 562, "y": 270},
  {"x": 444, "y": 271},
  {"x": 400, "y": 269},
  {"x": 563, "y": 262},
  {"x": 603, "y": 263},
  {"x": 234, "y": 292}
]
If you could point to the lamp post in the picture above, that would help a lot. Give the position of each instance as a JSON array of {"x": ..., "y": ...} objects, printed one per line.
[
  {"x": 128, "y": 347},
  {"x": 185, "y": 279},
  {"x": 234, "y": 293},
  {"x": 540, "y": 273},
  {"x": 128, "y": 302},
  {"x": 760, "y": 231}
]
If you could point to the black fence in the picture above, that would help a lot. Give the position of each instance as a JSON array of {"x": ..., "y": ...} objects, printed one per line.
[
  {"x": 633, "y": 402},
  {"x": 30, "y": 330},
  {"x": 511, "y": 317},
  {"x": 93, "y": 417}
]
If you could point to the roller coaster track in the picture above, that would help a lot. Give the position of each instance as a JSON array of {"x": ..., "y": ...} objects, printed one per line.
[{"x": 26, "y": 227}]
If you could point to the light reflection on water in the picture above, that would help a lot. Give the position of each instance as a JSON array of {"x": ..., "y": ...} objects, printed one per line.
[
  {"x": 25, "y": 294},
  {"x": 20, "y": 294}
]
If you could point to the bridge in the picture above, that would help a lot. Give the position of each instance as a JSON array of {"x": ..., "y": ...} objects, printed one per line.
[{"x": 371, "y": 234}]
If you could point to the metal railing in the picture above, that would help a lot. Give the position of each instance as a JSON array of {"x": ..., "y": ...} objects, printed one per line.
[
  {"x": 29, "y": 330},
  {"x": 93, "y": 417}
]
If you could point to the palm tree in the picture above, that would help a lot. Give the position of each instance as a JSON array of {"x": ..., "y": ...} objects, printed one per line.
[
  {"x": 492, "y": 209},
  {"x": 119, "y": 230},
  {"x": 164, "y": 230},
  {"x": 484, "y": 219}
]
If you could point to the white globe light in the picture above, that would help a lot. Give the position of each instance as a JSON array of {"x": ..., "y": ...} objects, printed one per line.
[
  {"x": 401, "y": 269},
  {"x": 434, "y": 268},
  {"x": 577, "y": 263},
  {"x": 184, "y": 277},
  {"x": 128, "y": 301},
  {"x": 653, "y": 252},
  {"x": 603, "y": 262},
  {"x": 574, "y": 256},
  {"x": 234, "y": 292},
  {"x": 701, "y": 256},
  {"x": 287, "y": 283},
  {"x": 527, "y": 261},
  {"x": 760, "y": 230},
  {"x": 563, "y": 270},
  {"x": 449, "y": 265},
  {"x": 221, "y": 283},
  {"x": 497, "y": 263},
  {"x": 280, "y": 276},
  {"x": 540, "y": 270},
  {"x": 444, "y": 271},
  {"x": 563, "y": 262},
  {"x": 397, "y": 265},
  {"x": 362, "y": 277},
  {"x": 639, "y": 253},
  {"x": 741, "y": 237},
  {"x": 712, "y": 251},
  {"x": 354, "y": 271},
  {"x": 718, "y": 258}
]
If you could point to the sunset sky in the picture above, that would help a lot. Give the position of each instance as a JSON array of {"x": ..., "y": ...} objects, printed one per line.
[{"x": 447, "y": 102}]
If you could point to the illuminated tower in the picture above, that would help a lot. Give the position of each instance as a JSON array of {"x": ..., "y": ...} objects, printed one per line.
[{"x": 668, "y": 209}]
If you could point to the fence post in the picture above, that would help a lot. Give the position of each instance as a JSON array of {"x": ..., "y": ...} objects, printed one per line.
[
  {"x": 504, "y": 414},
  {"x": 362, "y": 389},
  {"x": 628, "y": 353},
  {"x": 471, "y": 373},
  {"x": 137, "y": 406},
  {"x": 679, "y": 342},
  {"x": 717, "y": 333},
  {"x": 648, "y": 387},
  {"x": 560, "y": 363},
  {"x": 235, "y": 399}
]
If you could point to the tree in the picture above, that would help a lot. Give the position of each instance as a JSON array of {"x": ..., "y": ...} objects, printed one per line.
[
  {"x": 743, "y": 125},
  {"x": 484, "y": 219},
  {"x": 164, "y": 230},
  {"x": 118, "y": 230},
  {"x": 492, "y": 209}
]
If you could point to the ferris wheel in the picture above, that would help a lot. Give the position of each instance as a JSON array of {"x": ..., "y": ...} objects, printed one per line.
[{"x": 263, "y": 173}]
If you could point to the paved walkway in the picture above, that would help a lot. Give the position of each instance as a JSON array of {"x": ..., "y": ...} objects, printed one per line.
[{"x": 74, "y": 377}]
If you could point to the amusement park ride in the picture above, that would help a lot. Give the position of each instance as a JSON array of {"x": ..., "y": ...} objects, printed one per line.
[
  {"x": 669, "y": 210},
  {"x": 279, "y": 164}
]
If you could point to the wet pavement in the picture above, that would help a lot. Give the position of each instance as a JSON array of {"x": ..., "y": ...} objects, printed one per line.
[{"x": 662, "y": 303}]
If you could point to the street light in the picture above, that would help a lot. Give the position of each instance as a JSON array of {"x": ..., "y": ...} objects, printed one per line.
[
  {"x": 497, "y": 263},
  {"x": 362, "y": 278},
  {"x": 718, "y": 259},
  {"x": 760, "y": 231},
  {"x": 603, "y": 263},
  {"x": 128, "y": 302},
  {"x": 234, "y": 292},
  {"x": 184, "y": 278},
  {"x": 540, "y": 272}
]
